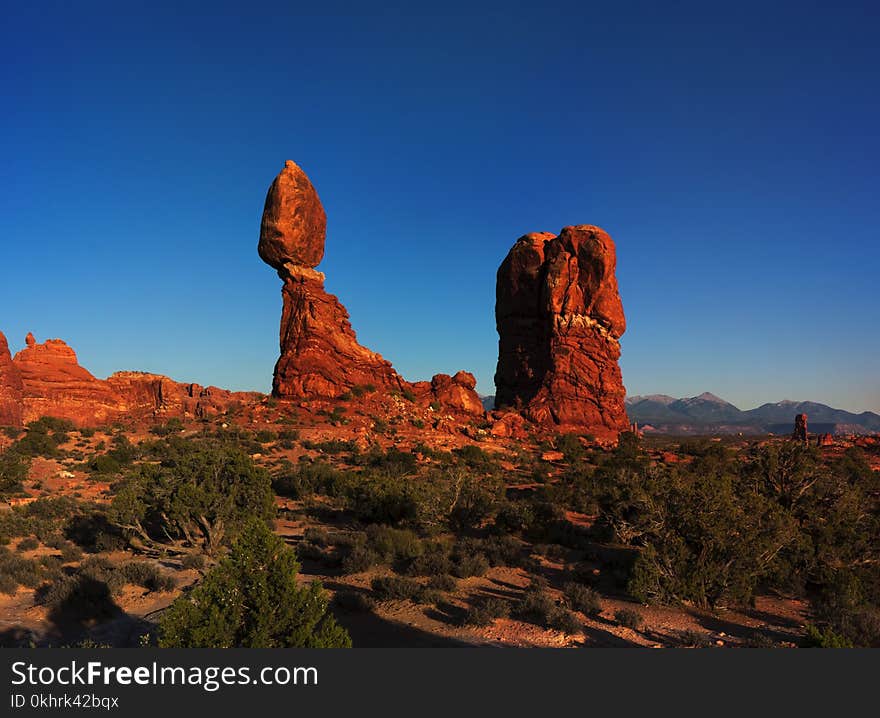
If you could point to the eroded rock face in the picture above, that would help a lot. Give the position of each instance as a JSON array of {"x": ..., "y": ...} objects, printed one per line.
[
  {"x": 47, "y": 380},
  {"x": 10, "y": 387},
  {"x": 320, "y": 355},
  {"x": 559, "y": 319},
  {"x": 54, "y": 384}
]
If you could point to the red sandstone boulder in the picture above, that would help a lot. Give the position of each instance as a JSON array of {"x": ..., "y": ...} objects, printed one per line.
[
  {"x": 559, "y": 319},
  {"x": 294, "y": 223},
  {"x": 457, "y": 393},
  {"x": 508, "y": 425},
  {"x": 10, "y": 387}
]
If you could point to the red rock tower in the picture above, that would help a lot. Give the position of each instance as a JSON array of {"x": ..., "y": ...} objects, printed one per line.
[
  {"x": 559, "y": 319},
  {"x": 800, "y": 428}
]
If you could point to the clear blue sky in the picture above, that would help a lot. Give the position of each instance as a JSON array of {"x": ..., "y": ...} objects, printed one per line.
[{"x": 732, "y": 151}]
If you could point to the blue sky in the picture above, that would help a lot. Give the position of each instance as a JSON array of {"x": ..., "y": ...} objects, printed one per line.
[{"x": 731, "y": 150}]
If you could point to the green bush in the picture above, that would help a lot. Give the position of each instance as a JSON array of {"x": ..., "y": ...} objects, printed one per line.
[
  {"x": 201, "y": 494},
  {"x": 824, "y": 638},
  {"x": 251, "y": 599}
]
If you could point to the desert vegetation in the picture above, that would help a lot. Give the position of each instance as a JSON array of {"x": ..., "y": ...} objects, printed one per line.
[{"x": 553, "y": 537}]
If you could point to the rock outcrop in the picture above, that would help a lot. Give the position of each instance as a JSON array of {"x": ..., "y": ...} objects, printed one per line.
[
  {"x": 559, "y": 319},
  {"x": 10, "y": 387},
  {"x": 54, "y": 384},
  {"x": 800, "y": 429},
  {"x": 320, "y": 355},
  {"x": 47, "y": 380}
]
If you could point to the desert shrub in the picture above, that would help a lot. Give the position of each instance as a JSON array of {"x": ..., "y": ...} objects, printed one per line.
[
  {"x": 103, "y": 570},
  {"x": 393, "y": 462},
  {"x": 8, "y": 585},
  {"x": 564, "y": 620},
  {"x": 514, "y": 517},
  {"x": 359, "y": 557},
  {"x": 43, "y": 437},
  {"x": 485, "y": 611},
  {"x": 629, "y": 618},
  {"x": 442, "y": 582},
  {"x": 389, "y": 588},
  {"x": 582, "y": 598},
  {"x": 429, "y": 595},
  {"x": 824, "y": 638},
  {"x": 434, "y": 561},
  {"x": 501, "y": 550},
  {"x": 571, "y": 447},
  {"x": 91, "y": 530},
  {"x": 361, "y": 389},
  {"x": 264, "y": 436},
  {"x": 27, "y": 544},
  {"x": 201, "y": 493},
  {"x": 355, "y": 601},
  {"x": 394, "y": 544},
  {"x": 70, "y": 552},
  {"x": 312, "y": 478},
  {"x": 690, "y": 638},
  {"x": 13, "y": 471},
  {"x": 148, "y": 576},
  {"x": 408, "y": 395},
  {"x": 20, "y": 570},
  {"x": 536, "y": 605},
  {"x": 193, "y": 561},
  {"x": 172, "y": 426},
  {"x": 476, "y": 500},
  {"x": 251, "y": 599},
  {"x": 467, "y": 565},
  {"x": 475, "y": 457}
]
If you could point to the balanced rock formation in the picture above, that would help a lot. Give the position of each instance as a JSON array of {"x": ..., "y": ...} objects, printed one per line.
[
  {"x": 47, "y": 380},
  {"x": 320, "y": 355},
  {"x": 10, "y": 387},
  {"x": 559, "y": 319}
]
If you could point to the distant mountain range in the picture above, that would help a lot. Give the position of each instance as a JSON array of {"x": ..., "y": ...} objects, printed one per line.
[{"x": 710, "y": 414}]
